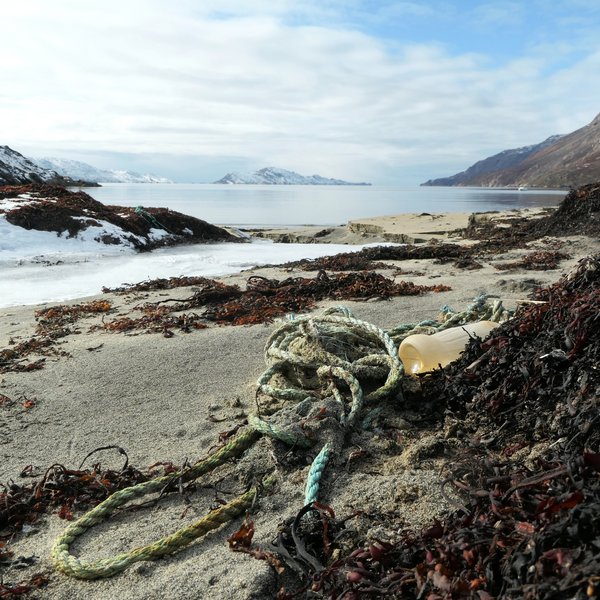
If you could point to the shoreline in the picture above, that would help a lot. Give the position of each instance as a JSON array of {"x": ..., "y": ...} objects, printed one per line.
[{"x": 402, "y": 228}]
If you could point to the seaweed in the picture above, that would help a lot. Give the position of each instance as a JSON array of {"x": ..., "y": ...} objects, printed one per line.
[
  {"x": 263, "y": 299},
  {"x": 53, "y": 323},
  {"x": 11, "y": 592},
  {"x": 535, "y": 261}
]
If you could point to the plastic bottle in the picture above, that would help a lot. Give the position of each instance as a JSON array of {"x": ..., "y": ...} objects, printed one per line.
[{"x": 421, "y": 353}]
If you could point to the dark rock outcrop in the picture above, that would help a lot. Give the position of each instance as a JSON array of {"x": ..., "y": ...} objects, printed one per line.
[{"x": 53, "y": 208}]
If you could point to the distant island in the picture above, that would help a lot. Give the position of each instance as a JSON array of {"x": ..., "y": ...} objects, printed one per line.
[{"x": 276, "y": 176}]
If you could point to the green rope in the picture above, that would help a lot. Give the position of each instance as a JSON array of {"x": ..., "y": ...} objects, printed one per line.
[
  {"x": 277, "y": 433},
  {"x": 139, "y": 210},
  {"x": 69, "y": 564},
  {"x": 315, "y": 473},
  {"x": 479, "y": 310},
  {"x": 355, "y": 390}
]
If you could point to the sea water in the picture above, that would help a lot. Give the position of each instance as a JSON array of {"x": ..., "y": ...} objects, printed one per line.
[
  {"x": 293, "y": 205},
  {"x": 57, "y": 275}
]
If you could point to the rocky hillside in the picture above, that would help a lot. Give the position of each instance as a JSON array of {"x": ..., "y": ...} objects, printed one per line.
[
  {"x": 506, "y": 159},
  {"x": 276, "y": 176},
  {"x": 568, "y": 161},
  {"x": 17, "y": 169},
  {"x": 77, "y": 215}
]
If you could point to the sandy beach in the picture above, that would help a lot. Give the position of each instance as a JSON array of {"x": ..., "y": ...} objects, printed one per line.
[{"x": 168, "y": 399}]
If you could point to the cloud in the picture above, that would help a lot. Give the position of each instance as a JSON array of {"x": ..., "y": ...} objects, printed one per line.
[
  {"x": 271, "y": 83},
  {"x": 501, "y": 13}
]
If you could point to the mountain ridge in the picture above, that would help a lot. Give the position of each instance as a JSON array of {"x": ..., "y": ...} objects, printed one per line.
[
  {"x": 564, "y": 161},
  {"x": 77, "y": 169},
  {"x": 16, "y": 169}
]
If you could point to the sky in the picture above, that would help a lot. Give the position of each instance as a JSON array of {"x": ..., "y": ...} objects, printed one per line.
[{"x": 388, "y": 92}]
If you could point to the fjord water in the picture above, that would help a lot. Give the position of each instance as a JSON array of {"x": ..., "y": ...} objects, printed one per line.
[{"x": 315, "y": 205}]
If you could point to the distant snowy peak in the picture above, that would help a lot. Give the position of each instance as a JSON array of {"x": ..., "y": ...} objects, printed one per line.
[
  {"x": 76, "y": 169},
  {"x": 133, "y": 177},
  {"x": 275, "y": 176},
  {"x": 16, "y": 169}
]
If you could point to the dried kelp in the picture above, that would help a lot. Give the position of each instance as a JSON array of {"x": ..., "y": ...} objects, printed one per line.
[
  {"x": 61, "y": 489},
  {"x": 344, "y": 261},
  {"x": 577, "y": 214},
  {"x": 15, "y": 357},
  {"x": 266, "y": 299},
  {"x": 535, "y": 261},
  {"x": 156, "y": 319},
  {"x": 369, "y": 258},
  {"x": 53, "y": 323},
  {"x": 161, "y": 283},
  {"x": 56, "y": 318},
  {"x": 521, "y": 534},
  {"x": 23, "y": 588}
]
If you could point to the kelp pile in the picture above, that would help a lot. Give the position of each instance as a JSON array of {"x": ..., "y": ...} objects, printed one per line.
[
  {"x": 369, "y": 258},
  {"x": 263, "y": 299},
  {"x": 535, "y": 261},
  {"x": 156, "y": 319},
  {"x": 153, "y": 285},
  {"x": 524, "y": 406},
  {"x": 64, "y": 490},
  {"x": 537, "y": 376},
  {"x": 53, "y": 323},
  {"x": 577, "y": 214}
]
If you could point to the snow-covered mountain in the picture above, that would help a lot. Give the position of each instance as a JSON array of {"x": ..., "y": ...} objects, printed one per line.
[
  {"x": 276, "y": 176},
  {"x": 16, "y": 168},
  {"x": 76, "y": 169}
]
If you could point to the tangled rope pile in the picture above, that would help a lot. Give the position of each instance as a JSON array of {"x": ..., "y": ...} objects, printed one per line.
[{"x": 315, "y": 362}]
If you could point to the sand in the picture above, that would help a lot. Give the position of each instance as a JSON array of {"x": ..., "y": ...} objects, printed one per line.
[
  {"x": 167, "y": 399},
  {"x": 409, "y": 228}
]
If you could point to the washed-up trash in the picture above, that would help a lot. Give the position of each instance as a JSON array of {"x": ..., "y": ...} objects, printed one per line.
[{"x": 421, "y": 353}]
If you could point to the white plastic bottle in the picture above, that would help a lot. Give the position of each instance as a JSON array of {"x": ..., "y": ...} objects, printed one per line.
[{"x": 421, "y": 353}]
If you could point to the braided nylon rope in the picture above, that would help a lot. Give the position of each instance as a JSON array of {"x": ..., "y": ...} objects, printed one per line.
[
  {"x": 70, "y": 565},
  {"x": 307, "y": 342},
  {"x": 315, "y": 473},
  {"x": 277, "y": 433},
  {"x": 139, "y": 210}
]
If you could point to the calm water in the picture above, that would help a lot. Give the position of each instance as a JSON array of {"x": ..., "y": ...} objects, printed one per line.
[{"x": 318, "y": 205}]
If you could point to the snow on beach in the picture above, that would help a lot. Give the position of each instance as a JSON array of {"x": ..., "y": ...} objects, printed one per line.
[{"x": 40, "y": 266}]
